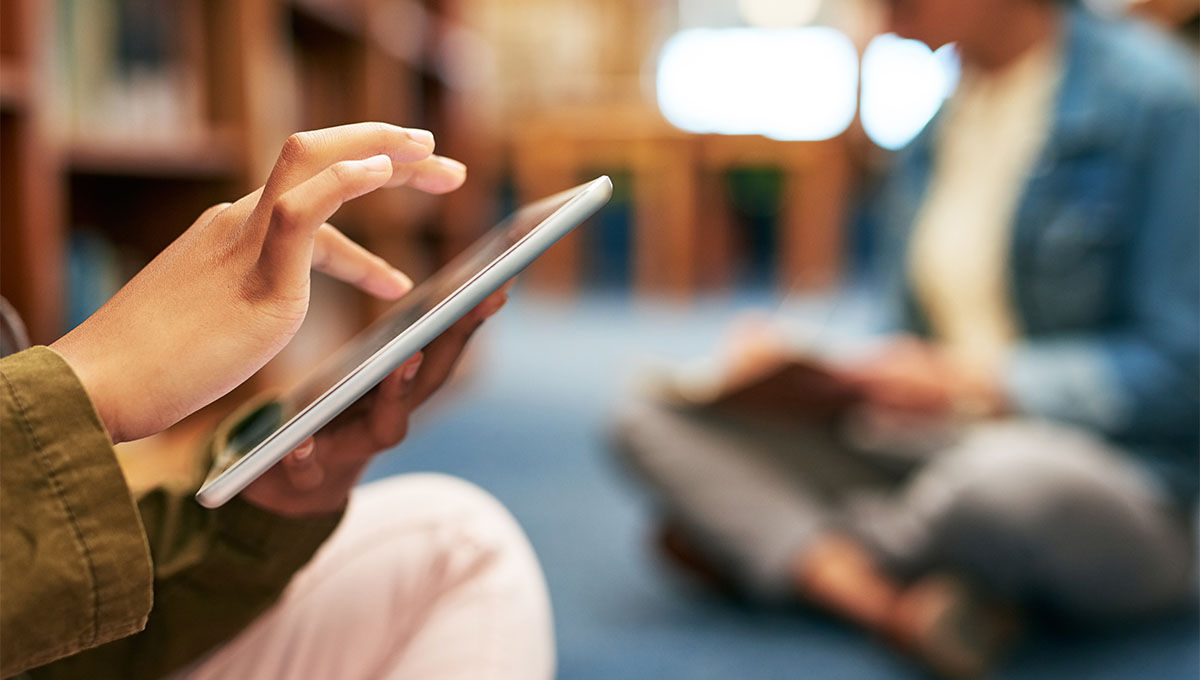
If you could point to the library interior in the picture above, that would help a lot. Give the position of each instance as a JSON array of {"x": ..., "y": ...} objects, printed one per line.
[{"x": 882, "y": 360}]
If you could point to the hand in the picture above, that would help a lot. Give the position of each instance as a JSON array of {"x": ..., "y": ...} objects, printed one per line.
[
  {"x": 755, "y": 346},
  {"x": 910, "y": 376},
  {"x": 316, "y": 478},
  {"x": 228, "y": 294}
]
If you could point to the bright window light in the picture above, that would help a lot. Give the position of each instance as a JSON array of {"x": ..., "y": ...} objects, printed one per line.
[
  {"x": 903, "y": 86},
  {"x": 778, "y": 13},
  {"x": 796, "y": 84}
]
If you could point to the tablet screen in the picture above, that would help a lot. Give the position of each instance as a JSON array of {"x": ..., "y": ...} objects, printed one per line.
[{"x": 416, "y": 304}]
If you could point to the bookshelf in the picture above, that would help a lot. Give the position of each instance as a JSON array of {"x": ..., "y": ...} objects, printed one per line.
[{"x": 124, "y": 119}]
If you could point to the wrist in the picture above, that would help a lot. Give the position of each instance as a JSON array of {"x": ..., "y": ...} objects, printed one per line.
[
  {"x": 979, "y": 392},
  {"x": 90, "y": 373}
]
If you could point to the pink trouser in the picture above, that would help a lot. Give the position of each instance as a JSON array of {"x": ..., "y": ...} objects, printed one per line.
[{"x": 427, "y": 577}]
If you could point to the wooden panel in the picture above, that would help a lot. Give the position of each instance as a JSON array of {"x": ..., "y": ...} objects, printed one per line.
[{"x": 33, "y": 248}]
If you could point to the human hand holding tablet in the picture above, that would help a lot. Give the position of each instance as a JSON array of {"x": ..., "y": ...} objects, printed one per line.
[
  {"x": 417, "y": 319},
  {"x": 317, "y": 477},
  {"x": 233, "y": 288}
]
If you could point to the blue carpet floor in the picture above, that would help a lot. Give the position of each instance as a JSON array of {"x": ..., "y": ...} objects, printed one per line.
[{"x": 528, "y": 425}]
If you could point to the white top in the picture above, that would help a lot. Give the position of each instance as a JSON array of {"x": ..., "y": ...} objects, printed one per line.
[{"x": 995, "y": 126}]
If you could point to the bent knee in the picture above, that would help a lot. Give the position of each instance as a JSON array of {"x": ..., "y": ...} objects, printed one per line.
[
  {"x": 461, "y": 550},
  {"x": 449, "y": 506},
  {"x": 1074, "y": 528},
  {"x": 1026, "y": 476}
]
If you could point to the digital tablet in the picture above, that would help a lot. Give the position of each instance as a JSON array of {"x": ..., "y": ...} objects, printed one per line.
[{"x": 273, "y": 431}]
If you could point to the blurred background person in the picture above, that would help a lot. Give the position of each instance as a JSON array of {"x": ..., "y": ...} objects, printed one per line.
[{"x": 1039, "y": 256}]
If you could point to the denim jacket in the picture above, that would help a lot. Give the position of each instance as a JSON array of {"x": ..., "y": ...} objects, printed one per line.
[{"x": 1105, "y": 254}]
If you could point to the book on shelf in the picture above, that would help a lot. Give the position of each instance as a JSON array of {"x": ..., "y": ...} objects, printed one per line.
[{"x": 126, "y": 71}]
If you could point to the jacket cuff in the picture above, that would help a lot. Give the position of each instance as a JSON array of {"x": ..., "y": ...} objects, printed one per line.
[
  {"x": 1064, "y": 380},
  {"x": 277, "y": 545},
  {"x": 72, "y": 477}
]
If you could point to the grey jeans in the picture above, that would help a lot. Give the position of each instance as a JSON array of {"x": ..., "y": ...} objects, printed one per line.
[{"x": 1036, "y": 511}]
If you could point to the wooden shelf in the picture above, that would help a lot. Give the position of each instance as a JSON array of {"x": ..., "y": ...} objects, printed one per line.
[
  {"x": 210, "y": 155},
  {"x": 249, "y": 72}
]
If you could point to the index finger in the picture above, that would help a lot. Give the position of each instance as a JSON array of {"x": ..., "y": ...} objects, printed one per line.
[{"x": 307, "y": 153}]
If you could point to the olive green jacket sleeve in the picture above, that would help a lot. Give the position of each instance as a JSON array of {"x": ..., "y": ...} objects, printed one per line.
[
  {"x": 74, "y": 564},
  {"x": 81, "y": 563}
]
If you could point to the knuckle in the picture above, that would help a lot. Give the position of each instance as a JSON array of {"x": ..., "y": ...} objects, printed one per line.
[
  {"x": 211, "y": 214},
  {"x": 297, "y": 146},
  {"x": 285, "y": 212},
  {"x": 381, "y": 137},
  {"x": 343, "y": 172}
]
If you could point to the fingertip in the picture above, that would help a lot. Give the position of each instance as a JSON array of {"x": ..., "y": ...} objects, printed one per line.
[
  {"x": 455, "y": 172},
  {"x": 404, "y": 283},
  {"x": 441, "y": 176},
  {"x": 412, "y": 366},
  {"x": 452, "y": 166},
  {"x": 421, "y": 137},
  {"x": 381, "y": 164},
  {"x": 394, "y": 285},
  {"x": 403, "y": 145},
  {"x": 398, "y": 383},
  {"x": 302, "y": 453}
]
